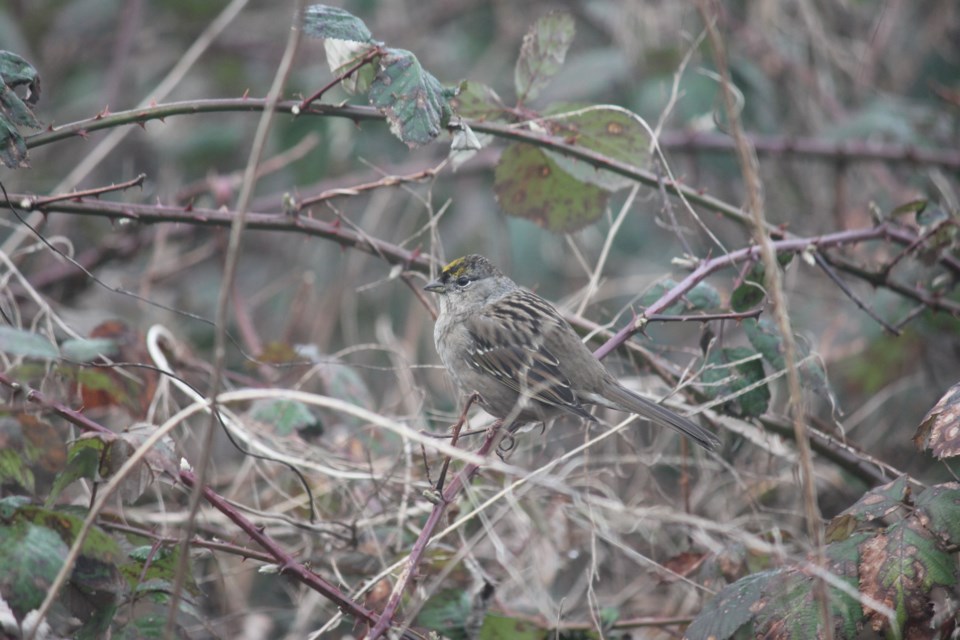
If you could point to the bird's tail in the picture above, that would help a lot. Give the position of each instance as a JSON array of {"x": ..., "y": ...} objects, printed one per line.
[{"x": 629, "y": 401}]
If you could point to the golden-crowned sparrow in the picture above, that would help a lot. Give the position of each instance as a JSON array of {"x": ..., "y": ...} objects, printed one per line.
[{"x": 521, "y": 357}]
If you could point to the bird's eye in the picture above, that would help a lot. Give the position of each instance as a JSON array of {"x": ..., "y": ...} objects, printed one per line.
[{"x": 463, "y": 281}]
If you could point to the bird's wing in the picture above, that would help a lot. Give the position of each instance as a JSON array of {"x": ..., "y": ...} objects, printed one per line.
[{"x": 519, "y": 359}]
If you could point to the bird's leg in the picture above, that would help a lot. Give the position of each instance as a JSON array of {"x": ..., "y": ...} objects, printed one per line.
[
  {"x": 506, "y": 445},
  {"x": 474, "y": 397},
  {"x": 509, "y": 440}
]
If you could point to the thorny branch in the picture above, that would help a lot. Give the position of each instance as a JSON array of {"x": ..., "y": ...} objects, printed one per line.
[{"x": 287, "y": 563}]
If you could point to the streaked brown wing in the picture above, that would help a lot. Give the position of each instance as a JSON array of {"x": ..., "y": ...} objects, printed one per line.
[{"x": 523, "y": 364}]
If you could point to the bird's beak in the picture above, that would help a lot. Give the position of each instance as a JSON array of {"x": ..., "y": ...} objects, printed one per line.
[{"x": 434, "y": 287}]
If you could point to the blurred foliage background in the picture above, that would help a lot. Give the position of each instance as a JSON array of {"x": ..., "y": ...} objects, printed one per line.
[{"x": 867, "y": 71}]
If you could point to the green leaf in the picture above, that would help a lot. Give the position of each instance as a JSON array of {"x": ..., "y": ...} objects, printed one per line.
[
  {"x": 501, "y": 627},
  {"x": 542, "y": 54},
  {"x": 877, "y": 504},
  {"x": 143, "y": 627},
  {"x": 530, "y": 185},
  {"x": 656, "y": 292},
  {"x": 321, "y": 21},
  {"x": 153, "y": 569},
  {"x": 610, "y": 131},
  {"x": 17, "y": 72},
  {"x": 92, "y": 379},
  {"x": 913, "y": 206},
  {"x": 899, "y": 568},
  {"x": 938, "y": 508},
  {"x": 765, "y": 338},
  {"x": 446, "y": 612},
  {"x": 287, "y": 417},
  {"x": 14, "y": 111},
  {"x": 477, "y": 101},
  {"x": 751, "y": 292},
  {"x": 97, "y": 546},
  {"x": 788, "y": 609},
  {"x": 30, "y": 558},
  {"x": 703, "y": 297},
  {"x": 843, "y": 561},
  {"x": 410, "y": 97},
  {"x": 87, "y": 350},
  {"x": 747, "y": 296},
  {"x": 609, "y": 617},
  {"x": 13, "y": 150},
  {"x": 780, "y": 603},
  {"x": 812, "y": 374},
  {"x": 9, "y": 506},
  {"x": 931, "y": 216},
  {"x": 721, "y": 378},
  {"x": 24, "y": 343},
  {"x": 33, "y": 545},
  {"x": 83, "y": 460},
  {"x": 14, "y": 469},
  {"x": 844, "y": 556},
  {"x": 95, "y": 627},
  {"x": 730, "y": 609}
]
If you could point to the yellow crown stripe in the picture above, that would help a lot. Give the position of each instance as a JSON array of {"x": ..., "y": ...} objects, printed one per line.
[{"x": 456, "y": 267}]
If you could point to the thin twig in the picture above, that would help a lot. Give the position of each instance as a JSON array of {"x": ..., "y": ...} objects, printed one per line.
[
  {"x": 591, "y": 288},
  {"x": 281, "y": 221},
  {"x": 223, "y": 305},
  {"x": 773, "y": 281},
  {"x": 286, "y": 562},
  {"x": 474, "y": 397},
  {"x": 159, "y": 92},
  {"x": 368, "y": 57},
  {"x": 813, "y": 148},
  {"x": 202, "y": 543},
  {"x": 420, "y": 546},
  {"x": 222, "y": 186},
  {"x": 397, "y": 255},
  {"x": 150, "y": 214},
  {"x": 668, "y": 209},
  {"x": 38, "y": 202},
  {"x": 917, "y": 243},
  {"x": 140, "y": 116},
  {"x": 933, "y": 300},
  {"x": 707, "y": 317},
  {"x": 837, "y": 280},
  {"x": 73, "y": 276},
  {"x": 910, "y": 315},
  {"x": 706, "y": 267},
  {"x": 386, "y": 181},
  {"x": 870, "y": 470}
]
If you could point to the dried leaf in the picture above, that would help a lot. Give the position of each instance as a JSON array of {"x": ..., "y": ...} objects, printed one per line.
[
  {"x": 939, "y": 431},
  {"x": 898, "y": 568},
  {"x": 542, "y": 53}
]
